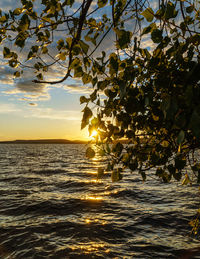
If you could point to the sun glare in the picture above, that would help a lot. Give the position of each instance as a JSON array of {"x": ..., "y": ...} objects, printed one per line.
[{"x": 94, "y": 134}]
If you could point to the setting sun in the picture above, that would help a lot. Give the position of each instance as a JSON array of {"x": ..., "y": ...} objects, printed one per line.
[{"x": 94, "y": 134}]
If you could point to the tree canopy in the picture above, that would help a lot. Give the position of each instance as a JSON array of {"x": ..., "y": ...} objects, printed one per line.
[{"x": 146, "y": 88}]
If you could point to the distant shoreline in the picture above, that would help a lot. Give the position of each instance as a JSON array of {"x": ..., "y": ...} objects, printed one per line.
[{"x": 45, "y": 141}]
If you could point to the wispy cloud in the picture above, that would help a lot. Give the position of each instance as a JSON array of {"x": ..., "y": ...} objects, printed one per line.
[
  {"x": 8, "y": 108},
  {"x": 52, "y": 114},
  {"x": 80, "y": 89},
  {"x": 32, "y": 111}
]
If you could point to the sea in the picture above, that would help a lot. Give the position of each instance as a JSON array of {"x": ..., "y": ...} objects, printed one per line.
[{"x": 53, "y": 206}]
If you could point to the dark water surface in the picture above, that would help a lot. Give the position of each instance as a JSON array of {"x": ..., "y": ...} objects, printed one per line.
[{"x": 52, "y": 206}]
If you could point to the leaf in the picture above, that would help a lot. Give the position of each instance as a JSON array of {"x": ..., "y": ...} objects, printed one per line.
[
  {"x": 83, "y": 99},
  {"x": 75, "y": 63},
  {"x": 186, "y": 180},
  {"x": 100, "y": 172},
  {"x": 170, "y": 11},
  {"x": 146, "y": 30},
  {"x": 102, "y": 3},
  {"x": 156, "y": 36},
  {"x": 117, "y": 148},
  {"x": 87, "y": 114},
  {"x": 133, "y": 165},
  {"x": 148, "y": 14},
  {"x": 90, "y": 153},
  {"x": 17, "y": 11},
  {"x": 78, "y": 71},
  {"x": 6, "y": 52},
  {"x": 165, "y": 143},
  {"x": 76, "y": 50},
  {"x": 86, "y": 78},
  {"x": 68, "y": 2},
  {"x": 84, "y": 46},
  {"x": 17, "y": 74},
  {"x": 180, "y": 162},
  {"x": 3, "y": 19},
  {"x": 116, "y": 175},
  {"x": 124, "y": 38},
  {"x": 155, "y": 118},
  {"x": 180, "y": 137},
  {"x": 190, "y": 9},
  {"x": 44, "y": 50},
  {"x": 195, "y": 124},
  {"x": 62, "y": 56}
]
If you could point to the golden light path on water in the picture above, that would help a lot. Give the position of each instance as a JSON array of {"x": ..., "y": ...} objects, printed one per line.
[{"x": 52, "y": 193}]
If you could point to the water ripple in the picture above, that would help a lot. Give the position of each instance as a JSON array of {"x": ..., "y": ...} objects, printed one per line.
[{"x": 53, "y": 206}]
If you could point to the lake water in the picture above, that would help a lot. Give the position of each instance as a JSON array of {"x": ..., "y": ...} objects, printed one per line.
[{"x": 52, "y": 206}]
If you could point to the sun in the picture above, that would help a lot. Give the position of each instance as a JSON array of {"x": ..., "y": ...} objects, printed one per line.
[{"x": 94, "y": 134}]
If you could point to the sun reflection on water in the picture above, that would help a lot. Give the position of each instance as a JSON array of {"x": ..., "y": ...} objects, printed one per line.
[
  {"x": 87, "y": 248},
  {"x": 93, "y": 198}
]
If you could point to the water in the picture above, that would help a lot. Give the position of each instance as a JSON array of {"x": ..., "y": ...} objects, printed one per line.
[{"x": 52, "y": 206}]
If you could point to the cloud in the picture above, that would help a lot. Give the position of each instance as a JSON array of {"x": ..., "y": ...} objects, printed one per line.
[
  {"x": 147, "y": 43},
  {"x": 8, "y": 108},
  {"x": 9, "y": 4},
  {"x": 32, "y": 111},
  {"x": 6, "y": 75},
  {"x": 30, "y": 87},
  {"x": 75, "y": 88},
  {"x": 52, "y": 114}
]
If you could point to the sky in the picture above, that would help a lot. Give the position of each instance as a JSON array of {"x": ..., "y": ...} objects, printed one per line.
[
  {"x": 39, "y": 111},
  {"x": 32, "y": 111}
]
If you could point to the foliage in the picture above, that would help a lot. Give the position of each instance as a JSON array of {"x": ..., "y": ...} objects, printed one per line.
[{"x": 148, "y": 96}]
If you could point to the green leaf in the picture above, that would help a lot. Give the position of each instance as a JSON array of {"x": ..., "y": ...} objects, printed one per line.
[
  {"x": 6, "y": 52},
  {"x": 62, "y": 56},
  {"x": 190, "y": 9},
  {"x": 148, "y": 29},
  {"x": 100, "y": 172},
  {"x": 180, "y": 137},
  {"x": 133, "y": 165},
  {"x": 195, "y": 124},
  {"x": 83, "y": 99},
  {"x": 3, "y": 19},
  {"x": 102, "y": 3},
  {"x": 116, "y": 176},
  {"x": 17, "y": 11},
  {"x": 13, "y": 63},
  {"x": 117, "y": 148},
  {"x": 44, "y": 50},
  {"x": 170, "y": 11},
  {"x": 124, "y": 38},
  {"x": 186, "y": 180},
  {"x": 76, "y": 50},
  {"x": 86, "y": 78},
  {"x": 156, "y": 36},
  {"x": 75, "y": 63},
  {"x": 78, "y": 72},
  {"x": 84, "y": 46},
  {"x": 180, "y": 162},
  {"x": 24, "y": 23},
  {"x": 87, "y": 114},
  {"x": 148, "y": 14},
  {"x": 68, "y": 2},
  {"x": 90, "y": 153},
  {"x": 17, "y": 74}
]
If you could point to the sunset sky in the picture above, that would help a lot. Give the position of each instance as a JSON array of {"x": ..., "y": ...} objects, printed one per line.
[{"x": 34, "y": 111}]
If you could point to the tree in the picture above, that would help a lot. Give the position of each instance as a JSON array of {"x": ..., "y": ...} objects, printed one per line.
[{"x": 146, "y": 95}]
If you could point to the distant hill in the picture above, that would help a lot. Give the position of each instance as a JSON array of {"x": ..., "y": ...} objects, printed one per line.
[{"x": 45, "y": 141}]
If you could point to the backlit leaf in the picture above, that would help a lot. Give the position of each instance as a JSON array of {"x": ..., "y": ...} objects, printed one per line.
[
  {"x": 90, "y": 153},
  {"x": 148, "y": 14}
]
